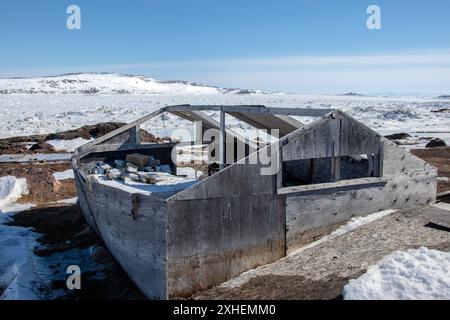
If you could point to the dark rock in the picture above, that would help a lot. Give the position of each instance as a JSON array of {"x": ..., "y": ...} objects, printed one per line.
[
  {"x": 398, "y": 136},
  {"x": 444, "y": 110},
  {"x": 436, "y": 143},
  {"x": 42, "y": 146},
  {"x": 90, "y": 91},
  {"x": 352, "y": 94}
]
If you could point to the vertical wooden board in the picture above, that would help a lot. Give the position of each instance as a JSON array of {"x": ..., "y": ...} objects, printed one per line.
[
  {"x": 310, "y": 143},
  {"x": 350, "y": 138},
  {"x": 356, "y": 139}
]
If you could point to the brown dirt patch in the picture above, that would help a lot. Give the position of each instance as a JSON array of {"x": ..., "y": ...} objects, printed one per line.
[
  {"x": 289, "y": 287},
  {"x": 42, "y": 185},
  {"x": 17, "y": 145},
  {"x": 440, "y": 158}
]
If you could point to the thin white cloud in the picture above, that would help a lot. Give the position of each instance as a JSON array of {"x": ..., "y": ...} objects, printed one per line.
[{"x": 409, "y": 70}]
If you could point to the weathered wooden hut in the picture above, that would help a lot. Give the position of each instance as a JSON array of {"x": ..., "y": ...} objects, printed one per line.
[{"x": 175, "y": 242}]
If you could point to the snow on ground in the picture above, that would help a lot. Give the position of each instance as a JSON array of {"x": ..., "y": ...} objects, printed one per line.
[
  {"x": 17, "y": 260},
  {"x": 11, "y": 189},
  {"x": 67, "y": 145},
  {"x": 353, "y": 224},
  {"x": 16, "y": 257},
  {"x": 23, "y": 275},
  {"x": 416, "y": 274},
  {"x": 64, "y": 175},
  {"x": 69, "y": 201}
]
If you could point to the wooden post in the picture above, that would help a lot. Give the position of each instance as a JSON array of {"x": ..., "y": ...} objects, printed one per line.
[{"x": 222, "y": 141}]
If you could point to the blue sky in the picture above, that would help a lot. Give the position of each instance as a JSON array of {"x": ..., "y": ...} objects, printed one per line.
[{"x": 296, "y": 46}]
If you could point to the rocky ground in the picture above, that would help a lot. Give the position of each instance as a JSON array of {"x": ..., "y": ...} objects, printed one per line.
[
  {"x": 42, "y": 185},
  {"x": 38, "y": 143}
]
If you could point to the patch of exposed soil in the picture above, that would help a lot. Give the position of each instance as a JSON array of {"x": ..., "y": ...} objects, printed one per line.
[
  {"x": 21, "y": 145},
  {"x": 277, "y": 287},
  {"x": 440, "y": 158},
  {"x": 42, "y": 185}
]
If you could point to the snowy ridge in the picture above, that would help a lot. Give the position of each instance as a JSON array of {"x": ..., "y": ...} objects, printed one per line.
[{"x": 108, "y": 83}]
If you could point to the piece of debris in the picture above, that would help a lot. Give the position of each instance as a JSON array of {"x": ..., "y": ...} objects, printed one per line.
[
  {"x": 436, "y": 143},
  {"x": 439, "y": 225}
]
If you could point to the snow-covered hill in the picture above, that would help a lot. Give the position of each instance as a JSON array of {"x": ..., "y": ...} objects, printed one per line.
[{"x": 108, "y": 83}]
